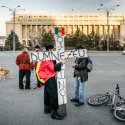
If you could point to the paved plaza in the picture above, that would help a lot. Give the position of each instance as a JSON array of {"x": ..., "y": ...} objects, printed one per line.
[{"x": 25, "y": 107}]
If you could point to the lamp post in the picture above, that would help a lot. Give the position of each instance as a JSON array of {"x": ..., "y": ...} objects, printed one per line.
[
  {"x": 14, "y": 10},
  {"x": 107, "y": 9}
]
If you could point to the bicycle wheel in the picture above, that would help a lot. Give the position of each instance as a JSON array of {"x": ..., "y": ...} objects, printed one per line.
[
  {"x": 119, "y": 112},
  {"x": 98, "y": 99}
]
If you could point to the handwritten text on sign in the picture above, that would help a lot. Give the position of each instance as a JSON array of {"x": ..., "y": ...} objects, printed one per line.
[
  {"x": 58, "y": 56},
  {"x": 61, "y": 81}
]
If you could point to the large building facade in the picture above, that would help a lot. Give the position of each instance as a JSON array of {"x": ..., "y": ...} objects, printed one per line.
[
  {"x": 29, "y": 27},
  {"x": 2, "y": 42}
]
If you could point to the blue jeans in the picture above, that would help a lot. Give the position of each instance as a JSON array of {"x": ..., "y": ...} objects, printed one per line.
[{"x": 80, "y": 90}]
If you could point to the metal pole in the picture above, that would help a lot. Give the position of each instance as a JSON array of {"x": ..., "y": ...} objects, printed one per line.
[
  {"x": 107, "y": 9},
  {"x": 107, "y": 31},
  {"x": 13, "y": 12},
  {"x": 14, "y": 30}
]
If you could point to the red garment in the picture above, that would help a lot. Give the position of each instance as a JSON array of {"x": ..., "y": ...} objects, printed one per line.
[
  {"x": 23, "y": 61},
  {"x": 46, "y": 70}
]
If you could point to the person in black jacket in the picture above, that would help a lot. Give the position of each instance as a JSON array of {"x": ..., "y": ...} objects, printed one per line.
[
  {"x": 81, "y": 74},
  {"x": 50, "y": 89}
]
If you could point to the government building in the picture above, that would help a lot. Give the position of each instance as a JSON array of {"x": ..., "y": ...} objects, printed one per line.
[{"x": 29, "y": 27}]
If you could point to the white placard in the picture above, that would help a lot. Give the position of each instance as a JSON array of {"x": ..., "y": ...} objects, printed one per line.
[{"x": 57, "y": 55}]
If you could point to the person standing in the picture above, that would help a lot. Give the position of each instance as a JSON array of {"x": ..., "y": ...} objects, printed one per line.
[
  {"x": 81, "y": 75},
  {"x": 23, "y": 62},
  {"x": 47, "y": 72},
  {"x": 39, "y": 83}
]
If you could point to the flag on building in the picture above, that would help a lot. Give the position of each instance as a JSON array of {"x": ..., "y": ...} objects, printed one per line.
[{"x": 59, "y": 31}]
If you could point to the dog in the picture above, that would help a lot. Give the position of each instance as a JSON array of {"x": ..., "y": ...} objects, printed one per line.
[{"x": 4, "y": 73}]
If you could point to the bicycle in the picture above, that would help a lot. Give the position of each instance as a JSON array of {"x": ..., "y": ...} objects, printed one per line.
[{"x": 118, "y": 108}]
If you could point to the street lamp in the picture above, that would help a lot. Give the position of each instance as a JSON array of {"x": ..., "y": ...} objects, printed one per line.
[
  {"x": 14, "y": 10},
  {"x": 107, "y": 10}
]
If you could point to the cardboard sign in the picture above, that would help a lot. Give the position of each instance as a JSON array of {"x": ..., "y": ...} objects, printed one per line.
[{"x": 58, "y": 55}]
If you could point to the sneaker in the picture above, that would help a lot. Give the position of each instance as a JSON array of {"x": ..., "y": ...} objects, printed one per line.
[
  {"x": 79, "y": 104},
  {"x": 21, "y": 88},
  {"x": 74, "y": 100},
  {"x": 47, "y": 112}
]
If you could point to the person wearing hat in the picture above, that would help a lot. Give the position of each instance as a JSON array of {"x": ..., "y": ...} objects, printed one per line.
[
  {"x": 37, "y": 48},
  {"x": 47, "y": 72},
  {"x": 39, "y": 83},
  {"x": 81, "y": 75},
  {"x": 23, "y": 62},
  {"x": 49, "y": 47}
]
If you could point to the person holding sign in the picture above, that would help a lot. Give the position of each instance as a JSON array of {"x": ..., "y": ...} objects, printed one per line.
[
  {"x": 39, "y": 83},
  {"x": 47, "y": 72},
  {"x": 81, "y": 74}
]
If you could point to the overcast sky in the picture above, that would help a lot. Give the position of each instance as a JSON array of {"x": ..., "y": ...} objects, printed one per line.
[{"x": 55, "y": 6}]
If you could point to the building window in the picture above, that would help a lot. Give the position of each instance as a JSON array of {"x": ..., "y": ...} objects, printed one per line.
[
  {"x": 20, "y": 16},
  {"x": 86, "y": 16},
  {"x": 75, "y": 16},
  {"x": 65, "y": 16},
  {"x": 70, "y": 16},
  {"x": 80, "y": 16}
]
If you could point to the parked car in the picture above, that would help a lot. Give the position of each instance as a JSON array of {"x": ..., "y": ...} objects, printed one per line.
[
  {"x": 123, "y": 52},
  {"x": 1, "y": 49}
]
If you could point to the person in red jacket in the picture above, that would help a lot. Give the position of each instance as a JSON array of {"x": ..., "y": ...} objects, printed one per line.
[{"x": 23, "y": 62}]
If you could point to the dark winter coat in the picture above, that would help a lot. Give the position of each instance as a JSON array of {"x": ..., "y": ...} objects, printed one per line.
[{"x": 80, "y": 69}]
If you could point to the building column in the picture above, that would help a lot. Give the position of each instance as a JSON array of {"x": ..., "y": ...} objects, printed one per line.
[
  {"x": 98, "y": 29},
  {"x": 88, "y": 29},
  {"x": 83, "y": 29},
  {"x": 31, "y": 34},
  {"x": 26, "y": 35},
  {"x": 67, "y": 29},
  {"x": 72, "y": 28},
  {"x": 52, "y": 28}
]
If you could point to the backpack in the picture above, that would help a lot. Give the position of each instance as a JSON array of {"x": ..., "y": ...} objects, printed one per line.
[{"x": 89, "y": 64}]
